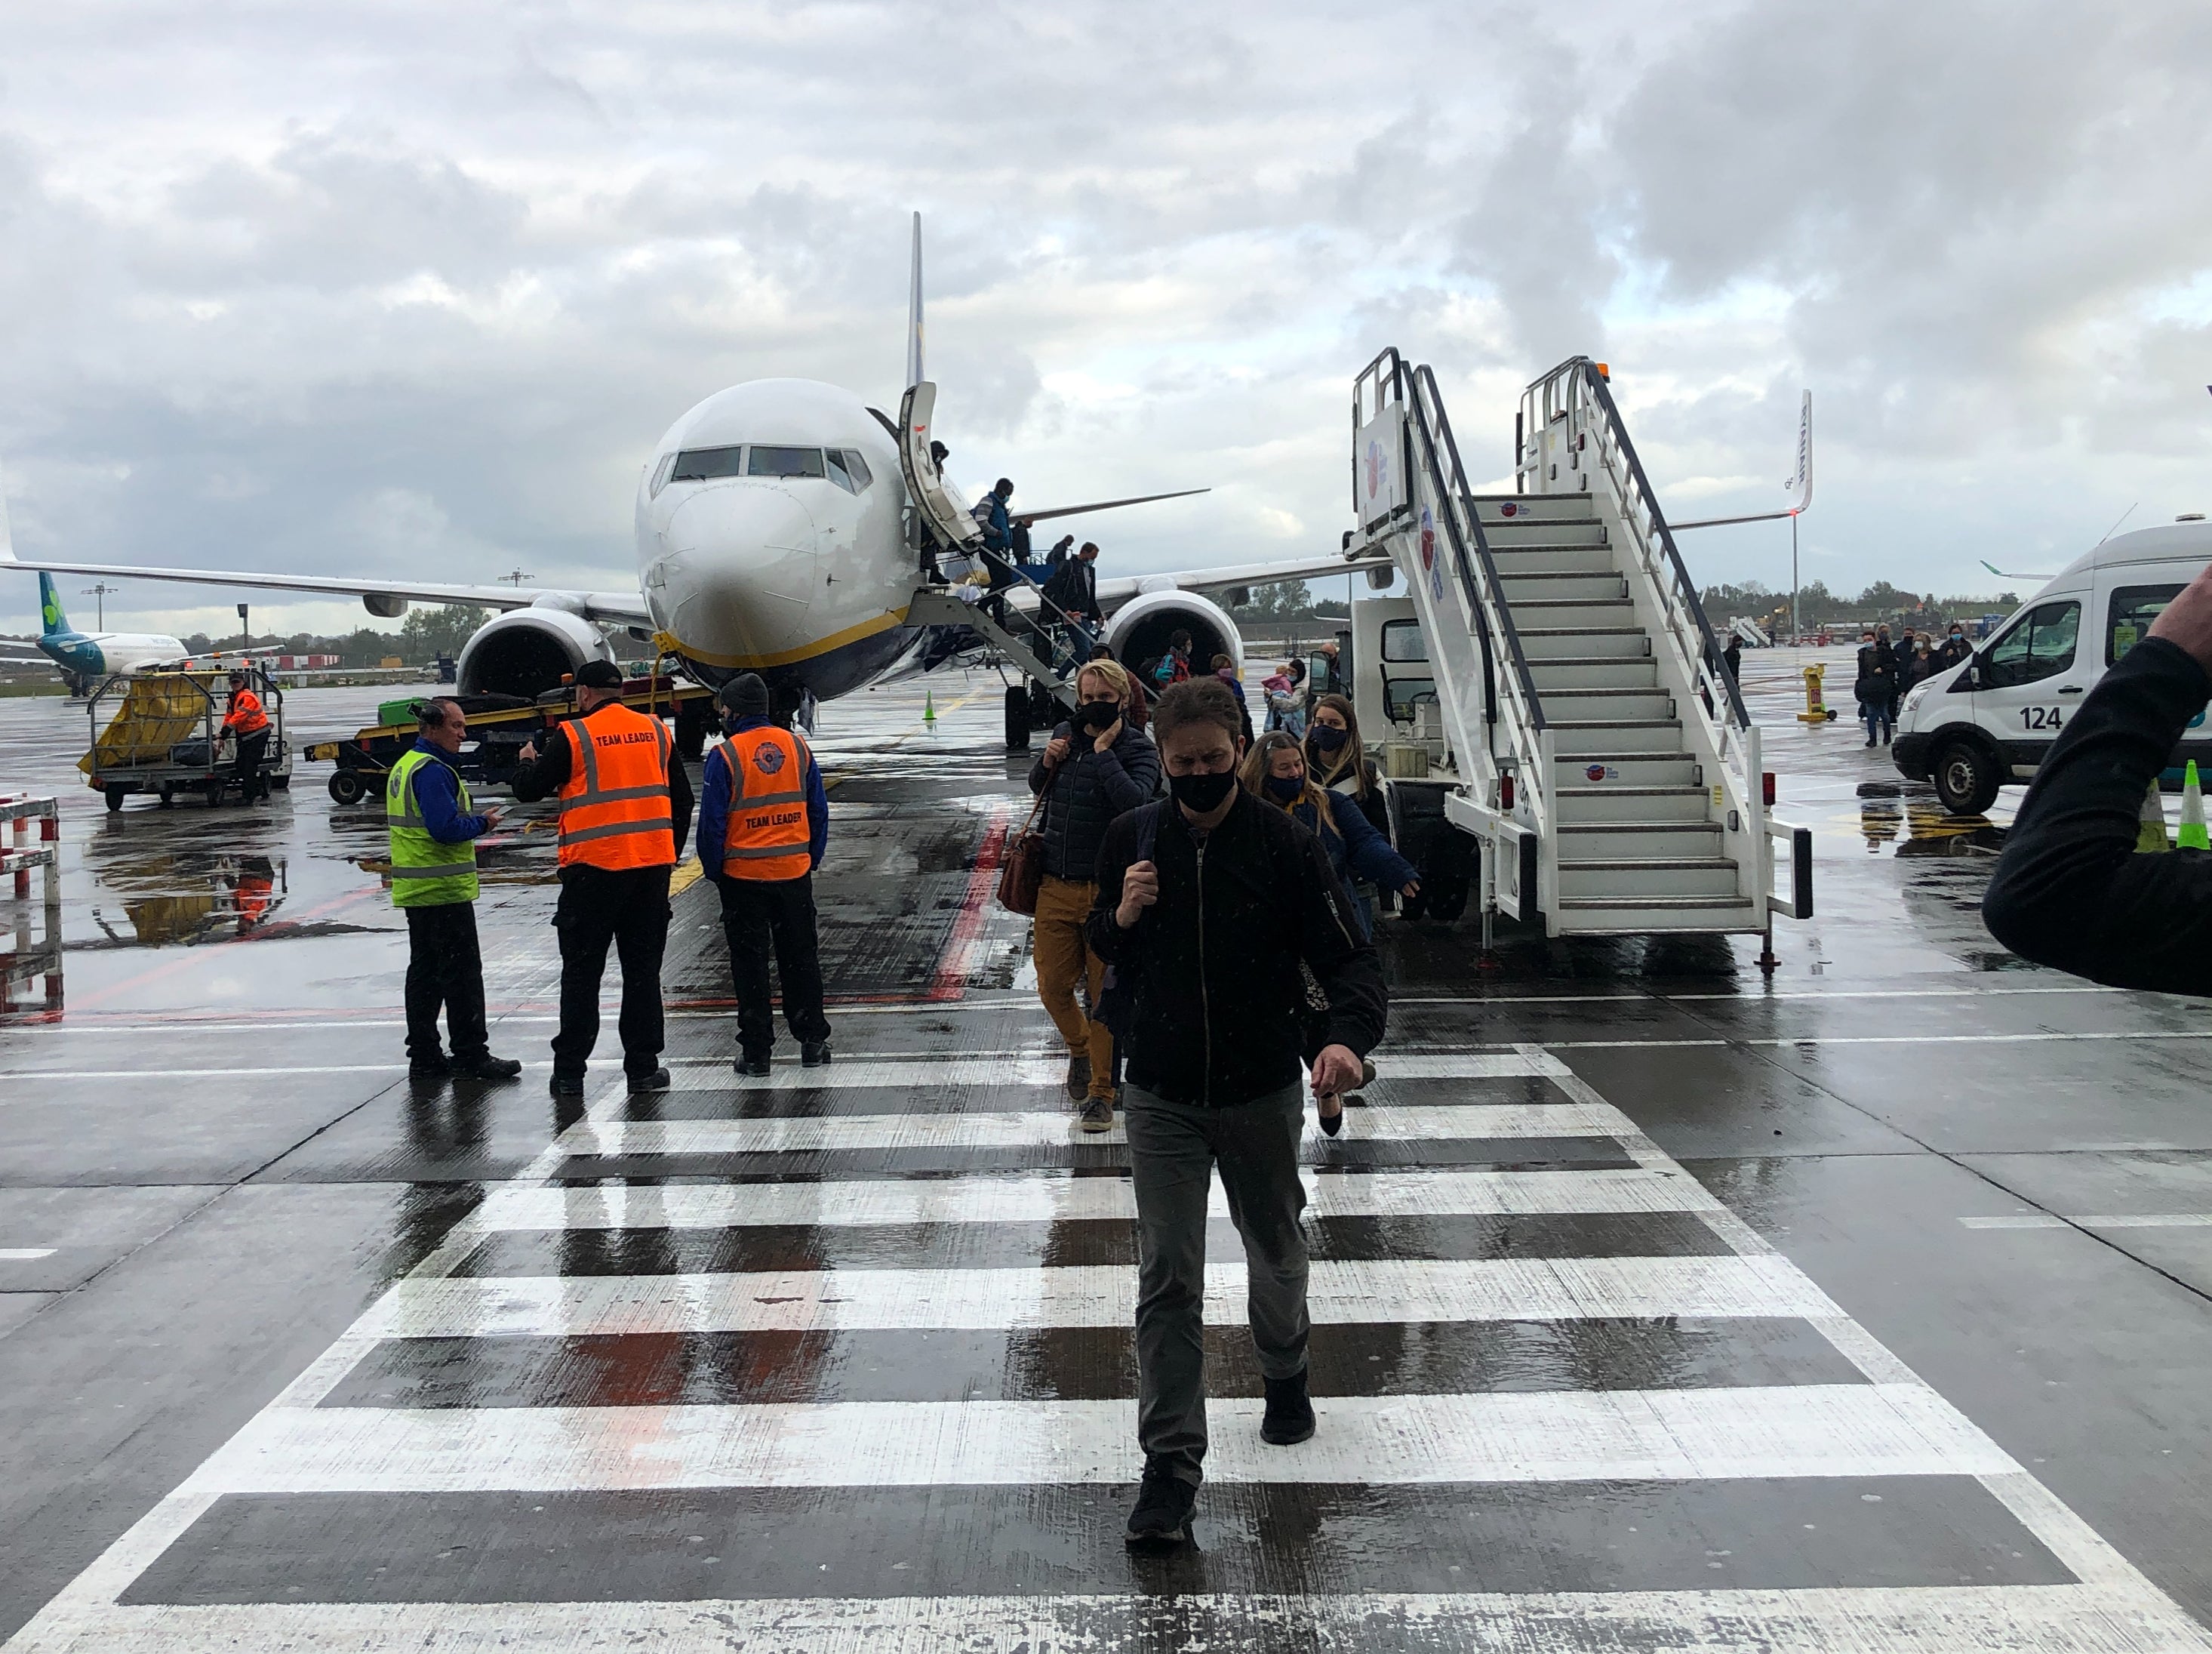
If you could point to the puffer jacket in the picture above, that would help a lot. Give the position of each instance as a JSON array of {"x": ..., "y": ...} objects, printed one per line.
[{"x": 1087, "y": 792}]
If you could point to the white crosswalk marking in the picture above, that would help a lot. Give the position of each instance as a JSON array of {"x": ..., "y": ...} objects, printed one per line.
[{"x": 1438, "y": 1433}]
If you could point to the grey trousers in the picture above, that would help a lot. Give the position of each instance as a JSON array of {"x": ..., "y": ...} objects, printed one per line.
[{"x": 1173, "y": 1151}]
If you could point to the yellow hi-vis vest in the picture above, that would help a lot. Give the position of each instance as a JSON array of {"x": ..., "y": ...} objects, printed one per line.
[
  {"x": 768, "y": 833},
  {"x": 424, "y": 872}
]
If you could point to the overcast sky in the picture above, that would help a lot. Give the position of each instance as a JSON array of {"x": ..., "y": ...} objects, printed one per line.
[{"x": 415, "y": 288}]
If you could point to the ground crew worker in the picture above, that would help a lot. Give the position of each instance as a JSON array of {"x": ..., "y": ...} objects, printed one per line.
[
  {"x": 434, "y": 883},
  {"x": 763, "y": 824},
  {"x": 247, "y": 725},
  {"x": 625, "y": 804}
]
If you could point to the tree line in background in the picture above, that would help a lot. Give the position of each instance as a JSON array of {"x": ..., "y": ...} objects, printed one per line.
[
  {"x": 422, "y": 638},
  {"x": 1817, "y": 605},
  {"x": 1286, "y": 600}
]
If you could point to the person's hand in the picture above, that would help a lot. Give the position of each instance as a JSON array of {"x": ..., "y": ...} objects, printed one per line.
[
  {"x": 1140, "y": 888},
  {"x": 491, "y": 819},
  {"x": 1055, "y": 751},
  {"x": 1107, "y": 737},
  {"x": 1410, "y": 887},
  {"x": 529, "y": 753},
  {"x": 2188, "y": 620},
  {"x": 1335, "y": 1070}
]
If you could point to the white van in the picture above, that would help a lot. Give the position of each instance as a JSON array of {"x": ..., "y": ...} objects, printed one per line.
[{"x": 1975, "y": 728}]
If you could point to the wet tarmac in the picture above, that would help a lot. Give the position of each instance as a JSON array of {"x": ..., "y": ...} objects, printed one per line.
[{"x": 1658, "y": 1304}]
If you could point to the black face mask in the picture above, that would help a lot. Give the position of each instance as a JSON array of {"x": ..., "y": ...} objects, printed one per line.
[
  {"x": 1201, "y": 794},
  {"x": 1287, "y": 789},
  {"x": 1327, "y": 738},
  {"x": 1098, "y": 715}
]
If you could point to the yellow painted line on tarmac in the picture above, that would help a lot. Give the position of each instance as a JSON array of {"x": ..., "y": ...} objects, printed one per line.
[{"x": 687, "y": 874}]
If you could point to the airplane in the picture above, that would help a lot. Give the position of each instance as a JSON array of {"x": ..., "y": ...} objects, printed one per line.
[
  {"x": 86, "y": 657},
  {"x": 771, "y": 534}
]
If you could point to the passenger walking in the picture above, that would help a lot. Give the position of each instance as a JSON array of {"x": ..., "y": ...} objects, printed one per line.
[
  {"x": 1338, "y": 760},
  {"x": 247, "y": 725},
  {"x": 1074, "y": 587},
  {"x": 625, "y": 805},
  {"x": 432, "y": 833},
  {"x": 1097, "y": 766},
  {"x": 1876, "y": 686},
  {"x": 1140, "y": 712},
  {"x": 1208, "y": 905},
  {"x": 1274, "y": 771},
  {"x": 1225, "y": 669},
  {"x": 1286, "y": 700},
  {"x": 1954, "y": 649},
  {"x": 1732, "y": 658},
  {"x": 1174, "y": 666},
  {"x": 763, "y": 825}
]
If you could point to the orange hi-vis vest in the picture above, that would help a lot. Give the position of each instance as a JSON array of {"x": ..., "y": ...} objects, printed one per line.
[
  {"x": 767, "y": 837},
  {"x": 246, "y": 716},
  {"x": 615, "y": 812}
]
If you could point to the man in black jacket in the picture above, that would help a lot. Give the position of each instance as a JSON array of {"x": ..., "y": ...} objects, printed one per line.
[
  {"x": 2069, "y": 891},
  {"x": 1096, "y": 767},
  {"x": 1207, "y": 935},
  {"x": 1074, "y": 587}
]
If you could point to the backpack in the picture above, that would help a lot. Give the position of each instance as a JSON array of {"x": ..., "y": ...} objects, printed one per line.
[{"x": 1117, "y": 1000}]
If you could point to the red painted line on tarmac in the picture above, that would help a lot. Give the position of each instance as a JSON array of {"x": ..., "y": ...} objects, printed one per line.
[{"x": 950, "y": 980}]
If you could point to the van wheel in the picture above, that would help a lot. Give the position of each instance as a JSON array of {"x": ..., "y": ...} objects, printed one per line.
[{"x": 1966, "y": 778}]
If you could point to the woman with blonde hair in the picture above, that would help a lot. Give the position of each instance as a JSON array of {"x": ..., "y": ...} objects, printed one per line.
[
  {"x": 1276, "y": 772},
  {"x": 1097, "y": 766}
]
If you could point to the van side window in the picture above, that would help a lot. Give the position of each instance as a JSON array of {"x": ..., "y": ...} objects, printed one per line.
[
  {"x": 2037, "y": 647},
  {"x": 2134, "y": 608}
]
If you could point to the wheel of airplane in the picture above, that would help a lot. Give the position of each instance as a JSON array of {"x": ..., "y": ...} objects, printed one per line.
[{"x": 1018, "y": 718}]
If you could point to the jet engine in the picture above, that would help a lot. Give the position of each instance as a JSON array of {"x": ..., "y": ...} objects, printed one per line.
[
  {"x": 528, "y": 651},
  {"x": 1140, "y": 628}
]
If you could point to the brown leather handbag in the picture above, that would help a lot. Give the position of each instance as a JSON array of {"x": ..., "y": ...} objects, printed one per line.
[{"x": 1022, "y": 872}]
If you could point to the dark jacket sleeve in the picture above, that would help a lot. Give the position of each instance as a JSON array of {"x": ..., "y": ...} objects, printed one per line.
[
  {"x": 1107, "y": 939},
  {"x": 818, "y": 813},
  {"x": 2069, "y": 891},
  {"x": 679, "y": 798},
  {"x": 548, "y": 773},
  {"x": 1040, "y": 775},
  {"x": 714, "y": 810},
  {"x": 1347, "y": 969},
  {"x": 1366, "y": 852},
  {"x": 1128, "y": 770}
]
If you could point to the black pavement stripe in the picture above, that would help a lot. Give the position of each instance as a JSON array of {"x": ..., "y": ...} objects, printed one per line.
[
  {"x": 1566, "y": 1153},
  {"x": 765, "y": 1543},
  {"x": 1079, "y": 1364},
  {"x": 1071, "y": 1241}
]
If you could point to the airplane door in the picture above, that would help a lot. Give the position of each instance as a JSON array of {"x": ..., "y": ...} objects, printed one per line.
[{"x": 948, "y": 524}]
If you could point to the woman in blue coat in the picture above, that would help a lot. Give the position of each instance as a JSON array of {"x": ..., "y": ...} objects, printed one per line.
[{"x": 1275, "y": 771}]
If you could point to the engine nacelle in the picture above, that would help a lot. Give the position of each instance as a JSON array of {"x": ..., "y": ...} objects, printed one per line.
[
  {"x": 528, "y": 651},
  {"x": 1141, "y": 629}
]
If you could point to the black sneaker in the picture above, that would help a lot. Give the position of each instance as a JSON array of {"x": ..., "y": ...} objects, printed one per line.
[
  {"x": 1162, "y": 1519},
  {"x": 565, "y": 1085},
  {"x": 1078, "y": 1077},
  {"x": 1290, "y": 1418},
  {"x": 486, "y": 1067},
  {"x": 429, "y": 1068},
  {"x": 656, "y": 1080},
  {"x": 1097, "y": 1115},
  {"x": 815, "y": 1056},
  {"x": 755, "y": 1067}
]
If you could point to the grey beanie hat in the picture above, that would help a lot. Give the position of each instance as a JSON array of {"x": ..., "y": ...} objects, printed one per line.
[{"x": 745, "y": 696}]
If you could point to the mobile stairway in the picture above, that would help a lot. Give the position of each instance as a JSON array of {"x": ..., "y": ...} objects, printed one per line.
[{"x": 1600, "y": 751}]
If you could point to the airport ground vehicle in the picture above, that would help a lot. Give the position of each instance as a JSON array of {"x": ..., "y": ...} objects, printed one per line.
[
  {"x": 500, "y": 726},
  {"x": 1987, "y": 723},
  {"x": 164, "y": 735}
]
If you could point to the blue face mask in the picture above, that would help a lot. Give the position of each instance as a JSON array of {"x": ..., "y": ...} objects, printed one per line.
[{"x": 1285, "y": 788}]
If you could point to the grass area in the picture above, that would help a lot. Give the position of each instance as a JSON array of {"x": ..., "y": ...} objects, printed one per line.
[{"x": 18, "y": 691}]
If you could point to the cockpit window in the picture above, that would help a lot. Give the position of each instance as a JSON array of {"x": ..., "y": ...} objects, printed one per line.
[
  {"x": 848, "y": 470},
  {"x": 783, "y": 462},
  {"x": 704, "y": 465},
  {"x": 660, "y": 473}
]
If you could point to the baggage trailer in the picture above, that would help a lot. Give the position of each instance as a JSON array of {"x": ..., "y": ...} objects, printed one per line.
[
  {"x": 500, "y": 726},
  {"x": 164, "y": 735}
]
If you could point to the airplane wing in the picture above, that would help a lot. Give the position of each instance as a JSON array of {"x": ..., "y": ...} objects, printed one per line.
[
  {"x": 8, "y": 646},
  {"x": 1104, "y": 505},
  {"x": 617, "y": 608},
  {"x": 2002, "y": 574}
]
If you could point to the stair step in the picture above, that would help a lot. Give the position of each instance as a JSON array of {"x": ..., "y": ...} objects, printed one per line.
[
  {"x": 1650, "y": 915},
  {"x": 1627, "y": 769},
  {"x": 1611, "y": 801},
  {"x": 1549, "y": 586},
  {"x": 1635, "y": 701},
  {"x": 1593, "y": 672},
  {"x": 1611, "y": 643},
  {"x": 1645, "y": 877},
  {"x": 1532, "y": 536},
  {"x": 1584, "y": 840},
  {"x": 1573, "y": 737},
  {"x": 1515, "y": 558}
]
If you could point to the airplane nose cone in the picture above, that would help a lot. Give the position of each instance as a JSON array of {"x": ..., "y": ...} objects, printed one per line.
[{"x": 739, "y": 574}]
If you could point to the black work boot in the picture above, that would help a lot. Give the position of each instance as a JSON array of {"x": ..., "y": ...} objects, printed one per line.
[
  {"x": 1162, "y": 1519},
  {"x": 653, "y": 1080},
  {"x": 1290, "y": 1418},
  {"x": 485, "y": 1066},
  {"x": 813, "y": 1053},
  {"x": 753, "y": 1064},
  {"x": 565, "y": 1085}
]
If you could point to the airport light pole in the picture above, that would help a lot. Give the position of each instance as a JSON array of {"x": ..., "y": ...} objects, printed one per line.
[
  {"x": 100, "y": 591},
  {"x": 245, "y": 631}
]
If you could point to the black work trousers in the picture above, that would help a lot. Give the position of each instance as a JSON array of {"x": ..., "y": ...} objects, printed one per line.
[
  {"x": 629, "y": 909},
  {"x": 246, "y": 769},
  {"x": 758, "y": 915},
  {"x": 445, "y": 970}
]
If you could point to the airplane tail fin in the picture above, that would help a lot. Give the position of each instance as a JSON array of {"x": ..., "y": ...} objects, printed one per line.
[
  {"x": 914, "y": 371},
  {"x": 53, "y": 623}
]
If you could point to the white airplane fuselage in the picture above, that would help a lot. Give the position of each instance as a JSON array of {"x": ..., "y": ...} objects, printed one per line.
[{"x": 763, "y": 551}]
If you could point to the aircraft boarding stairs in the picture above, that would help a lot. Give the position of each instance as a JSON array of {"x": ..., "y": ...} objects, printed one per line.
[{"x": 1603, "y": 755}]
